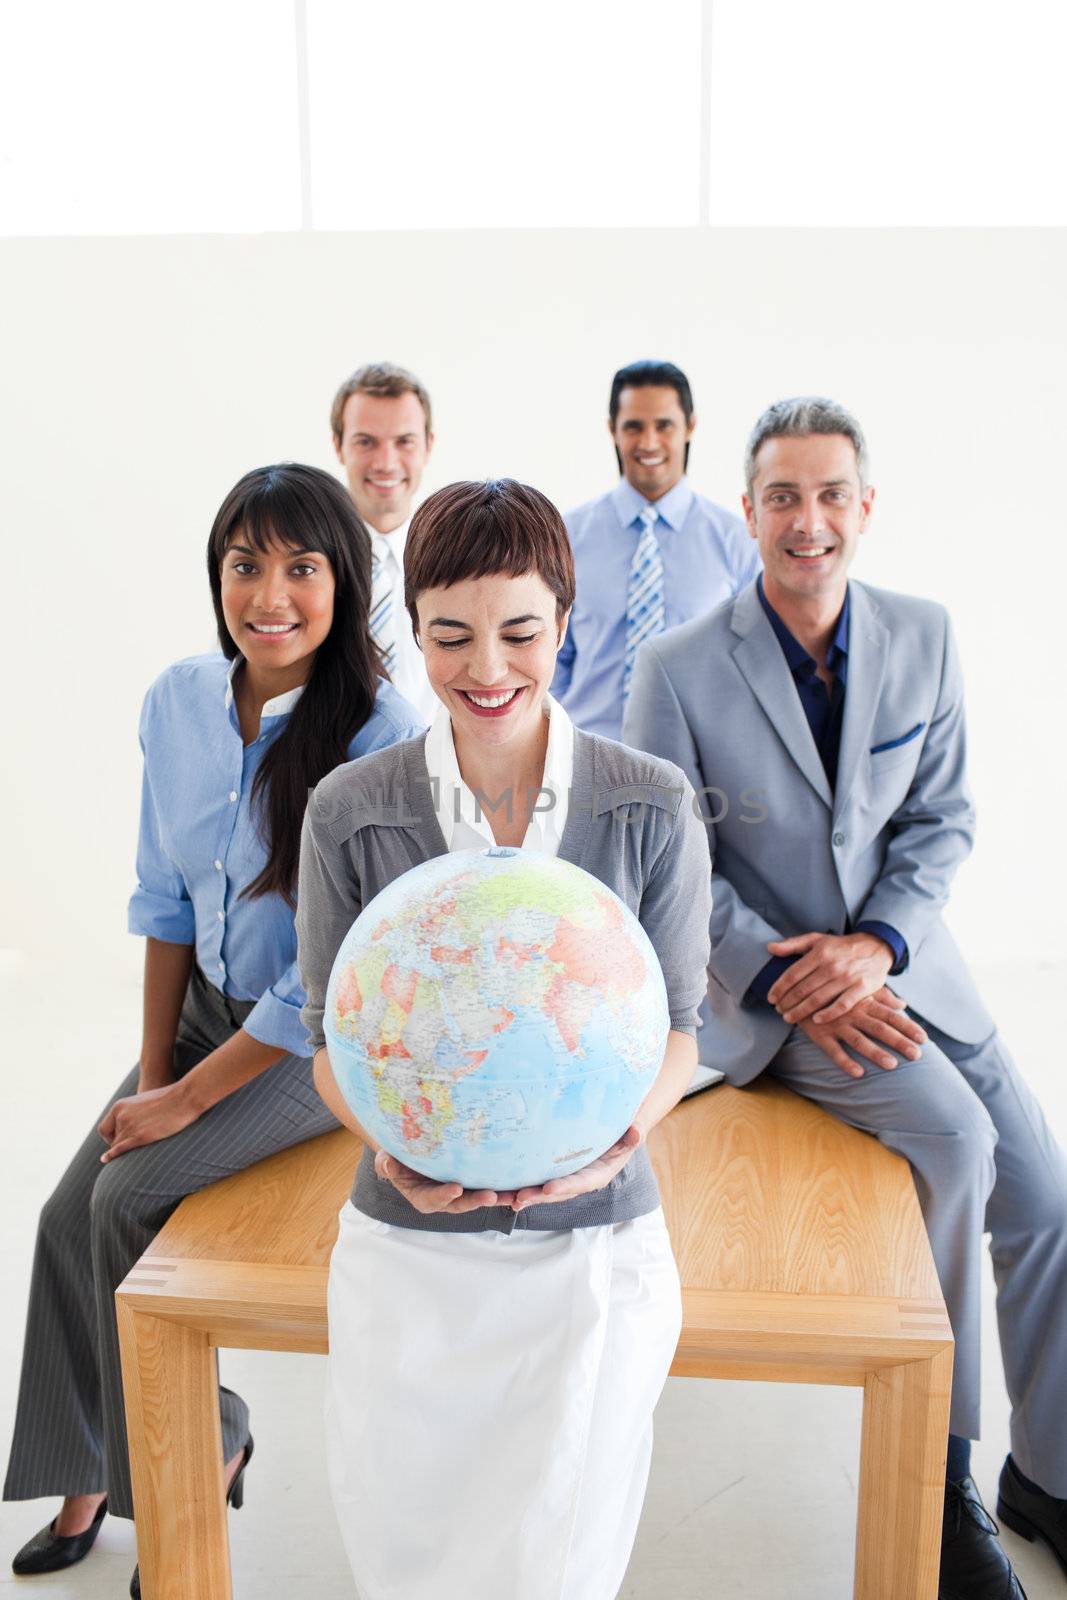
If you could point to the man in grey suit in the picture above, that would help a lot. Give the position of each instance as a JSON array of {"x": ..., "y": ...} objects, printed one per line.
[{"x": 821, "y": 724}]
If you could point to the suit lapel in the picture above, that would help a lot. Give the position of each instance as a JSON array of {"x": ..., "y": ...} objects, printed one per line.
[
  {"x": 760, "y": 660},
  {"x": 868, "y": 652}
]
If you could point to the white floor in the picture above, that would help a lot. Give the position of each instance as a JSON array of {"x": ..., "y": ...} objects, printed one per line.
[{"x": 753, "y": 1485}]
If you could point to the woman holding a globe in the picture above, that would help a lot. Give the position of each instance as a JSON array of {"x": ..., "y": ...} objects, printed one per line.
[
  {"x": 504, "y": 1304},
  {"x": 232, "y": 742}
]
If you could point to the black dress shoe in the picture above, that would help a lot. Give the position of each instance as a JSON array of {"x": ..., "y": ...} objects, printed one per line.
[
  {"x": 973, "y": 1564},
  {"x": 1031, "y": 1513},
  {"x": 235, "y": 1497},
  {"x": 48, "y": 1551}
]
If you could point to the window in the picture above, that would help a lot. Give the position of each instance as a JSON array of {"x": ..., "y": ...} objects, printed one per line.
[
  {"x": 927, "y": 113},
  {"x": 567, "y": 113},
  {"x": 241, "y": 116},
  {"x": 130, "y": 116}
]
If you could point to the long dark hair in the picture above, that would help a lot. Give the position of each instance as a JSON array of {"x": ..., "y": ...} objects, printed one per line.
[{"x": 304, "y": 509}]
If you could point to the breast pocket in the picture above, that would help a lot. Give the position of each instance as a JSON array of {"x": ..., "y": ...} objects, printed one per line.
[
  {"x": 895, "y": 749},
  {"x": 888, "y": 778},
  {"x": 898, "y": 756}
]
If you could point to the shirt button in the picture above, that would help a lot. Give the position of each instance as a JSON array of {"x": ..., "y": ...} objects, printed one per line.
[
  {"x": 218, "y": 866},
  {"x": 222, "y": 966},
  {"x": 221, "y": 916},
  {"x": 839, "y": 839},
  {"x": 233, "y": 795}
]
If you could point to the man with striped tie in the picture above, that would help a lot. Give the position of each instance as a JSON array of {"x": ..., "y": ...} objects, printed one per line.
[
  {"x": 382, "y": 433},
  {"x": 650, "y": 553}
]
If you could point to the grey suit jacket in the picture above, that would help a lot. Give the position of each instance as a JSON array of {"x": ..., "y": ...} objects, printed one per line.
[{"x": 716, "y": 697}]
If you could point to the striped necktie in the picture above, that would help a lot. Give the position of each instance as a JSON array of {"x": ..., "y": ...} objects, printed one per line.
[
  {"x": 382, "y": 611},
  {"x": 644, "y": 595}
]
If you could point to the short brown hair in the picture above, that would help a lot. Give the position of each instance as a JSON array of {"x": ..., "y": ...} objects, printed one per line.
[
  {"x": 378, "y": 378},
  {"x": 476, "y": 530}
]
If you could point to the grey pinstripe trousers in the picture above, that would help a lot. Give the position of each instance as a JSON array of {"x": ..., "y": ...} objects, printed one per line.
[
  {"x": 70, "y": 1425},
  {"x": 984, "y": 1160}
]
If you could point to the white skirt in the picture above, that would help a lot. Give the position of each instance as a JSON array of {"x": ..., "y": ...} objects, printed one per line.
[{"x": 489, "y": 1405}]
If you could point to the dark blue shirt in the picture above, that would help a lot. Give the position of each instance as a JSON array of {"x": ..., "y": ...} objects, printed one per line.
[{"x": 824, "y": 708}]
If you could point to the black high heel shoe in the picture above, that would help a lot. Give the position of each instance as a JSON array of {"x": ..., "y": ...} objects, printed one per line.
[
  {"x": 49, "y": 1551},
  {"x": 235, "y": 1494},
  {"x": 235, "y": 1497}
]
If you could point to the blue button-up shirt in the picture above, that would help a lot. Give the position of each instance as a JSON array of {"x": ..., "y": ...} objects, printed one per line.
[
  {"x": 199, "y": 843},
  {"x": 708, "y": 556},
  {"x": 825, "y": 711}
]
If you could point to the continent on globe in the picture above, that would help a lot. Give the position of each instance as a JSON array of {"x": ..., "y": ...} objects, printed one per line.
[{"x": 495, "y": 1017}]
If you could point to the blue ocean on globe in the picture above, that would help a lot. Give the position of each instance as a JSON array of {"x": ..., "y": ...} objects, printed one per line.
[{"x": 495, "y": 1017}]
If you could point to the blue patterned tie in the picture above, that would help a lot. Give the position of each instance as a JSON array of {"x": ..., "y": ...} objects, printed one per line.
[
  {"x": 382, "y": 614},
  {"x": 644, "y": 594}
]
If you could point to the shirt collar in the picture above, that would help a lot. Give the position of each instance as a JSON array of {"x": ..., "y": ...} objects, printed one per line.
[
  {"x": 280, "y": 706},
  {"x": 559, "y": 756},
  {"x": 390, "y": 546},
  {"x": 672, "y": 508},
  {"x": 795, "y": 654},
  {"x": 443, "y": 765}
]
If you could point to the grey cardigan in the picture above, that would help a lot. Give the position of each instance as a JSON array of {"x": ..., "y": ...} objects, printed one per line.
[{"x": 631, "y": 823}]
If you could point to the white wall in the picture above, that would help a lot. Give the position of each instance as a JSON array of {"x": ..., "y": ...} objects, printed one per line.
[{"x": 142, "y": 376}]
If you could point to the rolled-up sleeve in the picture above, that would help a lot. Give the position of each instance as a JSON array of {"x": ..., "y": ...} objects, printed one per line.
[
  {"x": 676, "y": 913},
  {"x": 160, "y": 907},
  {"x": 275, "y": 1018}
]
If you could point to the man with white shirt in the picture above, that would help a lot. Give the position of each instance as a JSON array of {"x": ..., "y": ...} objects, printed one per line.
[
  {"x": 383, "y": 435},
  {"x": 649, "y": 554}
]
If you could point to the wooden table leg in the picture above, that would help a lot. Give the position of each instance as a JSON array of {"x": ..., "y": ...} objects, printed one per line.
[
  {"x": 172, "y": 1421},
  {"x": 902, "y": 1479}
]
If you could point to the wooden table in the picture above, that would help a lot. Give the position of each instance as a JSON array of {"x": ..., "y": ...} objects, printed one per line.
[{"x": 803, "y": 1259}]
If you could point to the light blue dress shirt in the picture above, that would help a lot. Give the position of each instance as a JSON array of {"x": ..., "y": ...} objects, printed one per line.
[
  {"x": 708, "y": 557},
  {"x": 199, "y": 844}
]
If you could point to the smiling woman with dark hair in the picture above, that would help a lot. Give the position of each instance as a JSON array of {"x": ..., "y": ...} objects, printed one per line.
[
  {"x": 495, "y": 1358},
  {"x": 232, "y": 742}
]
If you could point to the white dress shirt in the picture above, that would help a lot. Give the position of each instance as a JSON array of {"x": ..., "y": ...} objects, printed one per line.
[
  {"x": 409, "y": 675},
  {"x": 465, "y": 823}
]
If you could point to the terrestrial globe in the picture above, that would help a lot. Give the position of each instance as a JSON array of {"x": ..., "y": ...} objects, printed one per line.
[{"x": 495, "y": 1017}]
